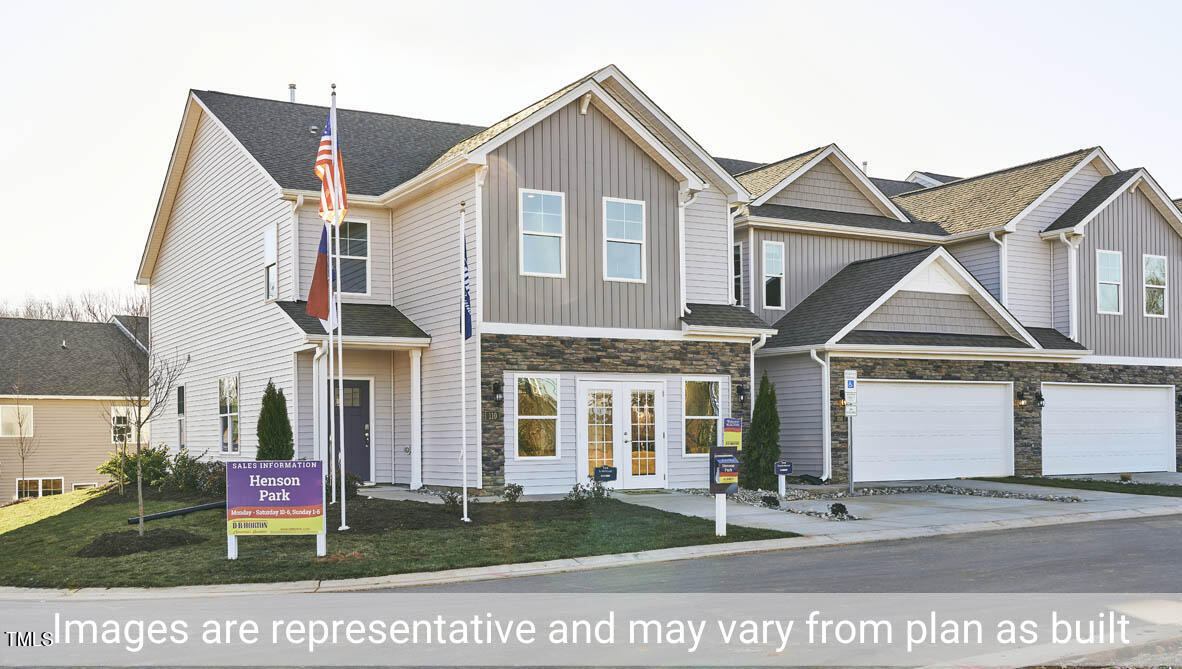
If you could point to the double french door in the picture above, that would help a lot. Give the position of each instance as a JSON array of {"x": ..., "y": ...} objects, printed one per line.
[{"x": 622, "y": 425}]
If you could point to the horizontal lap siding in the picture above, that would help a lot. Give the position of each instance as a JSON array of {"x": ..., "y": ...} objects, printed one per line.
[
  {"x": 707, "y": 257},
  {"x": 825, "y": 187},
  {"x": 1134, "y": 227},
  {"x": 799, "y": 390},
  {"x": 207, "y": 292},
  {"x": 72, "y": 437},
  {"x": 982, "y": 258},
  {"x": 401, "y": 418},
  {"x": 586, "y": 157},
  {"x": 379, "y": 252},
  {"x": 305, "y": 431}
]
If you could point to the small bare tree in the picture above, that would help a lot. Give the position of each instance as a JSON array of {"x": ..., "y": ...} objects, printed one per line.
[
  {"x": 26, "y": 440},
  {"x": 146, "y": 380}
]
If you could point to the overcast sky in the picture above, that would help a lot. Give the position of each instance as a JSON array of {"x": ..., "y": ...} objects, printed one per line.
[{"x": 93, "y": 92}]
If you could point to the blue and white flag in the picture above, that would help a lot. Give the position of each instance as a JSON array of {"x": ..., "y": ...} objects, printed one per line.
[{"x": 467, "y": 299}]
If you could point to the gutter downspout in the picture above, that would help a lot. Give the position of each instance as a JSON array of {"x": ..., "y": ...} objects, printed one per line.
[
  {"x": 681, "y": 205},
  {"x": 1002, "y": 267},
  {"x": 1073, "y": 283},
  {"x": 826, "y": 421},
  {"x": 755, "y": 346}
]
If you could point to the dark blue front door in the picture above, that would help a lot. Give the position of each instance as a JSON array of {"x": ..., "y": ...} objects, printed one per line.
[{"x": 357, "y": 435}]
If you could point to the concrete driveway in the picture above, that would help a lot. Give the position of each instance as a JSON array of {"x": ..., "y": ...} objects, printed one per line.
[
  {"x": 939, "y": 512},
  {"x": 1160, "y": 478}
]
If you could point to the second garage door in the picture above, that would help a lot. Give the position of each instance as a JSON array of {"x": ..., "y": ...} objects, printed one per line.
[
  {"x": 1094, "y": 429},
  {"x": 930, "y": 430}
]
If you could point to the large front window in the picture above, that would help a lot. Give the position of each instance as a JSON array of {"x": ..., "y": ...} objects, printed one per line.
[
  {"x": 543, "y": 233},
  {"x": 1155, "y": 285},
  {"x": 702, "y": 411},
  {"x": 1108, "y": 282},
  {"x": 773, "y": 275},
  {"x": 623, "y": 240},
  {"x": 537, "y": 416},
  {"x": 354, "y": 257},
  {"x": 228, "y": 412}
]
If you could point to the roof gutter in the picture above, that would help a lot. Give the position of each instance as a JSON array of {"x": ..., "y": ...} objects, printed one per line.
[
  {"x": 853, "y": 231},
  {"x": 951, "y": 352}
]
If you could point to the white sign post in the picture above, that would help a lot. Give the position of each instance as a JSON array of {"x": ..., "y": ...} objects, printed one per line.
[{"x": 851, "y": 410}]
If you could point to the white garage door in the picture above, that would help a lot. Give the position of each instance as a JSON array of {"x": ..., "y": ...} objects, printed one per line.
[
  {"x": 1091, "y": 429},
  {"x": 933, "y": 430}
]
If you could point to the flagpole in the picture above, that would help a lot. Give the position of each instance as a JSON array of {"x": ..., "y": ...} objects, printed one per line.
[
  {"x": 329, "y": 455},
  {"x": 338, "y": 220},
  {"x": 463, "y": 362}
]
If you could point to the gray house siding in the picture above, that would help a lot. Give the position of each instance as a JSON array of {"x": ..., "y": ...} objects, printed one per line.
[
  {"x": 910, "y": 311},
  {"x": 707, "y": 257},
  {"x": 799, "y": 388},
  {"x": 1134, "y": 227},
  {"x": 380, "y": 290},
  {"x": 982, "y": 258},
  {"x": 825, "y": 187},
  {"x": 1060, "y": 288},
  {"x": 586, "y": 157}
]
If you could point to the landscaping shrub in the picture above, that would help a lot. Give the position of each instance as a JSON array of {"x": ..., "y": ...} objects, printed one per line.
[
  {"x": 1126, "y": 478},
  {"x": 512, "y": 492},
  {"x": 352, "y": 484},
  {"x": 452, "y": 501},
  {"x": 274, "y": 427},
  {"x": 763, "y": 441},
  {"x": 590, "y": 492},
  {"x": 193, "y": 475},
  {"x": 838, "y": 509},
  {"x": 155, "y": 462},
  {"x": 114, "y": 544},
  {"x": 770, "y": 501}
]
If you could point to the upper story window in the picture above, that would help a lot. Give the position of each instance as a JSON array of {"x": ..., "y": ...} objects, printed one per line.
[
  {"x": 271, "y": 261},
  {"x": 623, "y": 240},
  {"x": 773, "y": 275},
  {"x": 354, "y": 257},
  {"x": 542, "y": 247},
  {"x": 537, "y": 416},
  {"x": 228, "y": 412},
  {"x": 16, "y": 420},
  {"x": 1154, "y": 272},
  {"x": 1108, "y": 282},
  {"x": 737, "y": 274}
]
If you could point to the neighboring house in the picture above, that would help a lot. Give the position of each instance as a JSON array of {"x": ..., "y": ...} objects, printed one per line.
[
  {"x": 61, "y": 392},
  {"x": 1021, "y": 321},
  {"x": 598, "y": 236}
]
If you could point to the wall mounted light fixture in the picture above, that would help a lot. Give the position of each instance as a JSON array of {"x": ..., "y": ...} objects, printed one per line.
[
  {"x": 1039, "y": 400},
  {"x": 498, "y": 391},
  {"x": 741, "y": 392},
  {"x": 1021, "y": 399},
  {"x": 842, "y": 401}
]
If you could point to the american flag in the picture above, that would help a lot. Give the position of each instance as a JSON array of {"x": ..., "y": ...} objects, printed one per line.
[{"x": 331, "y": 171}]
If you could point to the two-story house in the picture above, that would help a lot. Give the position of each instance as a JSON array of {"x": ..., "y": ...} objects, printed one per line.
[
  {"x": 1020, "y": 321},
  {"x": 598, "y": 237}
]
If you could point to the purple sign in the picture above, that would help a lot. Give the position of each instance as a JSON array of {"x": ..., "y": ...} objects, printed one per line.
[{"x": 275, "y": 497}]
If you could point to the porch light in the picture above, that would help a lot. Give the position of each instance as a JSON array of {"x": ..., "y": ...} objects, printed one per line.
[
  {"x": 741, "y": 392},
  {"x": 1021, "y": 401},
  {"x": 1039, "y": 400},
  {"x": 498, "y": 392},
  {"x": 842, "y": 401}
]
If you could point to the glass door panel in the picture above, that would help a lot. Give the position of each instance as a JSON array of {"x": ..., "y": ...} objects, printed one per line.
[
  {"x": 643, "y": 432},
  {"x": 600, "y": 429}
]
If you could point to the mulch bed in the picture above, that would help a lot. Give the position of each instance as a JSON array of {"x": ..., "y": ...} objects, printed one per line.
[{"x": 115, "y": 544}]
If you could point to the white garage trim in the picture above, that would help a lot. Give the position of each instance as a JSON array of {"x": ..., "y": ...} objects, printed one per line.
[{"x": 1112, "y": 432}]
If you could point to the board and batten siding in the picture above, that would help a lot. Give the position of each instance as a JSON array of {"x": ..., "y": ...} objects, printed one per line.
[
  {"x": 913, "y": 311},
  {"x": 540, "y": 476},
  {"x": 1134, "y": 227},
  {"x": 825, "y": 187},
  {"x": 588, "y": 158},
  {"x": 207, "y": 293},
  {"x": 380, "y": 272},
  {"x": 707, "y": 257},
  {"x": 427, "y": 261},
  {"x": 1028, "y": 266},
  {"x": 810, "y": 261},
  {"x": 982, "y": 258},
  {"x": 73, "y": 438},
  {"x": 800, "y": 387}
]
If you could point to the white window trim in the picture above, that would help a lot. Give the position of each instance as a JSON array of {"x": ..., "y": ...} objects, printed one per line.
[
  {"x": 737, "y": 273},
  {"x": 367, "y": 258},
  {"x": 84, "y": 484},
  {"x": 643, "y": 240},
  {"x": 722, "y": 406},
  {"x": 1120, "y": 290},
  {"x": 521, "y": 193},
  {"x": 16, "y": 491},
  {"x": 129, "y": 412},
  {"x": 557, "y": 378},
  {"x": 181, "y": 421},
  {"x": 272, "y": 230},
  {"x": 32, "y": 422},
  {"x": 764, "y": 274},
  {"x": 1165, "y": 288},
  {"x": 218, "y": 398}
]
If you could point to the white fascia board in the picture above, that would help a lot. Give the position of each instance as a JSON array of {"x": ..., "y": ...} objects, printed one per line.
[
  {"x": 375, "y": 342},
  {"x": 102, "y": 398},
  {"x": 848, "y": 230},
  {"x": 1130, "y": 360},
  {"x": 1161, "y": 201},
  {"x": 168, "y": 190},
  {"x": 479, "y": 155},
  {"x": 291, "y": 194},
  {"x": 613, "y": 73},
  {"x": 1097, "y": 154},
  {"x": 420, "y": 180},
  {"x": 932, "y": 352},
  {"x": 718, "y": 331}
]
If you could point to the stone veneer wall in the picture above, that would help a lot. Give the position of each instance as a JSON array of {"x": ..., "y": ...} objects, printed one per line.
[
  {"x": 1026, "y": 376},
  {"x": 578, "y": 354}
]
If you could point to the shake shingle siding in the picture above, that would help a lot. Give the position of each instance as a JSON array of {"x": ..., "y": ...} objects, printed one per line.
[{"x": 825, "y": 187}]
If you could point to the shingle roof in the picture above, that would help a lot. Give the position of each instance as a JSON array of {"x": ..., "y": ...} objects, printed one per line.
[
  {"x": 1092, "y": 199},
  {"x": 884, "y": 338},
  {"x": 942, "y": 178},
  {"x": 136, "y": 327},
  {"x": 760, "y": 180},
  {"x": 842, "y": 298},
  {"x": 735, "y": 166},
  {"x": 32, "y": 357},
  {"x": 1050, "y": 338},
  {"x": 380, "y": 150},
  {"x": 360, "y": 320},
  {"x": 988, "y": 201},
  {"x": 893, "y": 187},
  {"x": 723, "y": 315},
  {"x": 826, "y": 216}
]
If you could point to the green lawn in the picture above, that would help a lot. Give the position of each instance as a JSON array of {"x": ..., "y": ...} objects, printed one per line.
[
  {"x": 42, "y": 538},
  {"x": 1085, "y": 484}
]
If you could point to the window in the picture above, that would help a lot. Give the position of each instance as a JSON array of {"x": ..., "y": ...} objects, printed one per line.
[
  {"x": 271, "y": 261},
  {"x": 180, "y": 417},
  {"x": 38, "y": 487},
  {"x": 773, "y": 275},
  {"x": 354, "y": 256},
  {"x": 623, "y": 240},
  {"x": 537, "y": 416},
  {"x": 737, "y": 274},
  {"x": 16, "y": 420},
  {"x": 228, "y": 412},
  {"x": 1155, "y": 285},
  {"x": 543, "y": 233},
  {"x": 1108, "y": 280},
  {"x": 123, "y": 425},
  {"x": 83, "y": 486},
  {"x": 702, "y": 410}
]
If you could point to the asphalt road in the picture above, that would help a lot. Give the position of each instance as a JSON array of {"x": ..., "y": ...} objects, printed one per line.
[{"x": 1137, "y": 555}]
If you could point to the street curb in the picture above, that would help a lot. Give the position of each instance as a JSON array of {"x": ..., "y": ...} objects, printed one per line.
[{"x": 472, "y": 574}]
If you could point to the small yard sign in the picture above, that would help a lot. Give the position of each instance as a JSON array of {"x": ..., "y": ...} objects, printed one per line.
[
  {"x": 274, "y": 497},
  {"x": 732, "y": 433},
  {"x": 783, "y": 467},
  {"x": 605, "y": 473}
]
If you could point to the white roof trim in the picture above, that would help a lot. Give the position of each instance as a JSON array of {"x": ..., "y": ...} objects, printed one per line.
[
  {"x": 721, "y": 331},
  {"x": 1160, "y": 201},
  {"x": 848, "y": 230},
  {"x": 1097, "y": 154},
  {"x": 949, "y": 263},
  {"x": 109, "y": 398},
  {"x": 375, "y": 342},
  {"x": 859, "y": 179},
  {"x": 922, "y": 179},
  {"x": 941, "y": 352}
]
